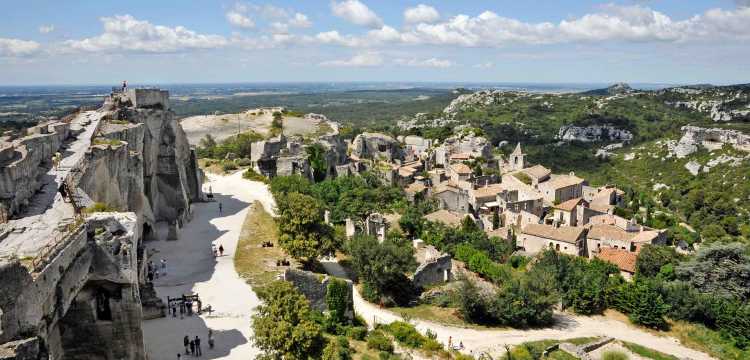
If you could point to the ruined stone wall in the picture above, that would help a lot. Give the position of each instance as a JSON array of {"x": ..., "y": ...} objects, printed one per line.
[
  {"x": 433, "y": 271},
  {"x": 24, "y": 162},
  {"x": 314, "y": 287}
]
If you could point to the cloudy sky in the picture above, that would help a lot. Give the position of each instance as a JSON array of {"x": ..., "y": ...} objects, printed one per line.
[{"x": 175, "y": 41}]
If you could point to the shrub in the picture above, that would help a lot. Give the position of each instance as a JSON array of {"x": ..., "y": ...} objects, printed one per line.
[
  {"x": 337, "y": 349},
  {"x": 378, "y": 341},
  {"x": 252, "y": 175},
  {"x": 99, "y": 207},
  {"x": 243, "y": 162},
  {"x": 228, "y": 166},
  {"x": 356, "y": 332},
  {"x": 406, "y": 334}
]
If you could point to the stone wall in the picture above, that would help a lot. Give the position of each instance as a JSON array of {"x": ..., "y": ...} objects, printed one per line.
[
  {"x": 376, "y": 146},
  {"x": 314, "y": 287},
  {"x": 433, "y": 271}
]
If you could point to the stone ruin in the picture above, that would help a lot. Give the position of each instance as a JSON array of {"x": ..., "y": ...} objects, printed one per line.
[
  {"x": 72, "y": 282},
  {"x": 315, "y": 287},
  {"x": 434, "y": 267},
  {"x": 376, "y": 146},
  {"x": 284, "y": 156}
]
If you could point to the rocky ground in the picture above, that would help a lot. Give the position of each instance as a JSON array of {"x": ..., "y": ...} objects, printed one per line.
[{"x": 224, "y": 126}]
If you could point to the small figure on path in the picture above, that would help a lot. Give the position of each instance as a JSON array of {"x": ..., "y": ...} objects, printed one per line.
[
  {"x": 186, "y": 342},
  {"x": 213, "y": 250},
  {"x": 210, "y": 338},
  {"x": 179, "y": 356},
  {"x": 164, "y": 267},
  {"x": 174, "y": 311},
  {"x": 450, "y": 342},
  {"x": 124, "y": 85},
  {"x": 192, "y": 347},
  {"x": 198, "y": 346},
  {"x": 156, "y": 274},
  {"x": 150, "y": 276},
  {"x": 219, "y": 208},
  {"x": 221, "y": 250}
]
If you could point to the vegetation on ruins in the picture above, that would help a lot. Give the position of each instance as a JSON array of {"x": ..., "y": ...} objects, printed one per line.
[
  {"x": 239, "y": 145},
  {"x": 303, "y": 234},
  {"x": 283, "y": 327},
  {"x": 381, "y": 268}
]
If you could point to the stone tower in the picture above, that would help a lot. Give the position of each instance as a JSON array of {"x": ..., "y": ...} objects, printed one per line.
[{"x": 517, "y": 160}]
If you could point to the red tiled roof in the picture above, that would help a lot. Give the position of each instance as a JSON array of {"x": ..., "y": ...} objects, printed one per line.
[{"x": 625, "y": 260}]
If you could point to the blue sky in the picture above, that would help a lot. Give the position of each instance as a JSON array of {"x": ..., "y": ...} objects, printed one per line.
[{"x": 101, "y": 42}]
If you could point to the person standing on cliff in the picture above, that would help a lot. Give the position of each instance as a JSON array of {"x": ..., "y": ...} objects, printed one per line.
[{"x": 124, "y": 85}]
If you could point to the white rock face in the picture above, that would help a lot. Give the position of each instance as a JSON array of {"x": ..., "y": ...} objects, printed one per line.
[
  {"x": 712, "y": 138},
  {"x": 693, "y": 167},
  {"x": 593, "y": 133}
]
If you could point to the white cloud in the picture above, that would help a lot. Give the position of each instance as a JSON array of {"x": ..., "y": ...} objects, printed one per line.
[
  {"x": 367, "y": 59},
  {"x": 431, "y": 62},
  {"x": 16, "y": 47},
  {"x": 46, "y": 29},
  {"x": 485, "y": 65},
  {"x": 421, "y": 14},
  {"x": 300, "y": 20},
  {"x": 357, "y": 13},
  {"x": 126, "y": 33},
  {"x": 614, "y": 23},
  {"x": 237, "y": 16}
]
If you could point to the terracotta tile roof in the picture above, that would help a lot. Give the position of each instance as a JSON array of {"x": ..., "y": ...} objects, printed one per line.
[
  {"x": 415, "y": 188},
  {"x": 446, "y": 217},
  {"x": 625, "y": 260},
  {"x": 445, "y": 186},
  {"x": 610, "y": 232},
  {"x": 563, "y": 181},
  {"x": 461, "y": 168},
  {"x": 537, "y": 171},
  {"x": 568, "y": 234},
  {"x": 489, "y": 191},
  {"x": 460, "y": 156},
  {"x": 646, "y": 236},
  {"x": 570, "y": 204}
]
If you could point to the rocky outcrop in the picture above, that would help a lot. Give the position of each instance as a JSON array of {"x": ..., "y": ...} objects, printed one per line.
[
  {"x": 75, "y": 293},
  {"x": 694, "y": 137},
  {"x": 467, "y": 143},
  {"x": 593, "y": 133},
  {"x": 376, "y": 146}
]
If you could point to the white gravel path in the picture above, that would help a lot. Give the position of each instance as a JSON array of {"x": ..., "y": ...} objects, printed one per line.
[{"x": 192, "y": 268}]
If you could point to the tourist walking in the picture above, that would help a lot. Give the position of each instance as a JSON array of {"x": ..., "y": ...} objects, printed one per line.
[
  {"x": 150, "y": 276},
  {"x": 198, "y": 351},
  {"x": 210, "y": 338},
  {"x": 192, "y": 347},
  {"x": 219, "y": 208},
  {"x": 186, "y": 342},
  {"x": 221, "y": 250},
  {"x": 164, "y": 267},
  {"x": 179, "y": 356}
]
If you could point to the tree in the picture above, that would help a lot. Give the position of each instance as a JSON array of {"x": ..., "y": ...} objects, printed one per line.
[
  {"x": 283, "y": 327},
  {"x": 648, "y": 307},
  {"x": 382, "y": 266},
  {"x": 282, "y": 185},
  {"x": 526, "y": 301},
  {"x": 337, "y": 349},
  {"x": 303, "y": 234},
  {"x": 653, "y": 258},
  {"x": 719, "y": 269},
  {"x": 316, "y": 154}
]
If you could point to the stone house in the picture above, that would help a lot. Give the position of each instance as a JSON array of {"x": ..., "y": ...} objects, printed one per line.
[
  {"x": 603, "y": 236},
  {"x": 537, "y": 174},
  {"x": 516, "y": 160},
  {"x": 567, "y": 213},
  {"x": 434, "y": 267},
  {"x": 415, "y": 191},
  {"x": 603, "y": 199},
  {"x": 565, "y": 239},
  {"x": 561, "y": 188},
  {"x": 451, "y": 196},
  {"x": 458, "y": 172}
]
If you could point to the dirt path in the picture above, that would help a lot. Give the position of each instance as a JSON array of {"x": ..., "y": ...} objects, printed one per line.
[
  {"x": 192, "y": 268},
  {"x": 493, "y": 341}
]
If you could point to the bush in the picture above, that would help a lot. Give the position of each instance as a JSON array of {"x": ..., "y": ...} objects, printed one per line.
[
  {"x": 376, "y": 340},
  {"x": 356, "y": 332},
  {"x": 243, "y": 161},
  {"x": 228, "y": 166},
  {"x": 252, "y": 175},
  {"x": 337, "y": 349},
  {"x": 406, "y": 334}
]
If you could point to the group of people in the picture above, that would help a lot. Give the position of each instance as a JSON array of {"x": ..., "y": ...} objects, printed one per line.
[
  {"x": 185, "y": 307},
  {"x": 153, "y": 271},
  {"x": 451, "y": 345},
  {"x": 193, "y": 346},
  {"x": 217, "y": 252}
]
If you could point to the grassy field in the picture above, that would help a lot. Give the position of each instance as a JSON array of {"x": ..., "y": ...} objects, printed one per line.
[
  {"x": 441, "y": 315},
  {"x": 531, "y": 350},
  {"x": 646, "y": 352},
  {"x": 253, "y": 262}
]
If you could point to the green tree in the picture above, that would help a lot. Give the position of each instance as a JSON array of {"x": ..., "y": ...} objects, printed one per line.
[
  {"x": 648, "y": 307},
  {"x": 303, "y": 234},
  {"x": 653, "y": 258},
  {"x": 316, "y": 155},
  {"x": 283, "y": 327},
  {"x": 337, "y": 349},
  {"x": 719, "y": 269},
  {"x": 382, "y": 266}
]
